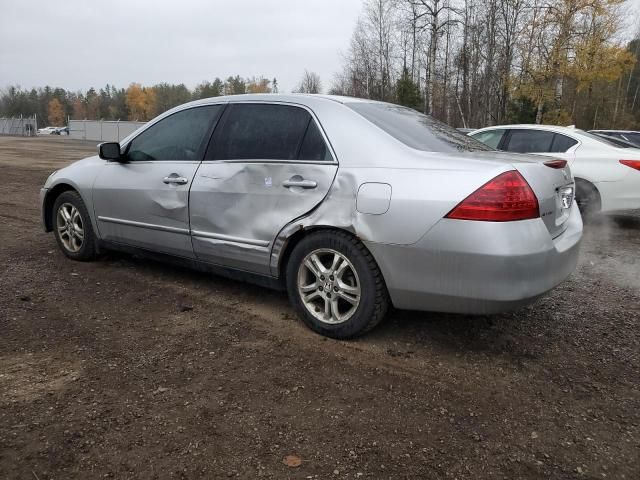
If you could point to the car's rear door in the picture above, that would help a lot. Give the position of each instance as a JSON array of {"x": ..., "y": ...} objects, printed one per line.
[
  {"x": 267, "y": 164},
  {"x": 144, "y": 200}
]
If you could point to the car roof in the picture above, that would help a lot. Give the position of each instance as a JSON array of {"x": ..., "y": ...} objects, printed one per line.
[{"x": 301, "y": 98}]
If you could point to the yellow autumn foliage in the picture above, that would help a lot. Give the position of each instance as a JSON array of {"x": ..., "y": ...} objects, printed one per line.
[{"x": 55, "y": 113}]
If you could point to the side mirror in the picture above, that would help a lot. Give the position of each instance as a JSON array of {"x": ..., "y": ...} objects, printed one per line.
[{"x": 110, "y": 151}]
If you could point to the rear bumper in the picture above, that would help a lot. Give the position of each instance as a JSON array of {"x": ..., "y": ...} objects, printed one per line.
[{"x": 479, "y": 267}]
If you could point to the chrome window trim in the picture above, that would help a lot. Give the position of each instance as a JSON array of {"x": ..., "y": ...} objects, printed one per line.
[
  {"x": 164, "y": 162},
  {"x": 287, "y": 162}
]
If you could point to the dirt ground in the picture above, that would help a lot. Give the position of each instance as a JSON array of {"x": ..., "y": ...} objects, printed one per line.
[{"x": 126, "y": 368}]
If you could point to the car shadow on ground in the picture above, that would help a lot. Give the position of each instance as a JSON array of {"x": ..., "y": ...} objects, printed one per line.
[
  {"x": 629, "y": 222},
  {"x": 494, "y": 335},
  {"x": 626, "y": 221}
]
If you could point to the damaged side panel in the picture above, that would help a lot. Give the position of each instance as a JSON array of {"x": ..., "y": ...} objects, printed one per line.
[
  {"x": 238, "y": 207},
  {"x": 405, "y": 221},
  {"x": 133, "y": 205}
]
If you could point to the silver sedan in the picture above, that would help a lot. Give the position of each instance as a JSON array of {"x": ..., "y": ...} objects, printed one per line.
[{"x": 350, "y": 205}]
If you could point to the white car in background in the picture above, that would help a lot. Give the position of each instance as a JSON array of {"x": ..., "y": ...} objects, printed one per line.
[
  {"x": 627, "y": 135},
  {"x": 47, "y": 130},
  {"x": 607, "y": 176}
]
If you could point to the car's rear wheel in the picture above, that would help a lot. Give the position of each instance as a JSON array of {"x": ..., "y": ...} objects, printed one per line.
[
  {"x": 72, "y": 227},
  {"x": 587, "y": 198},
  {"x": 335, "y": 285}
]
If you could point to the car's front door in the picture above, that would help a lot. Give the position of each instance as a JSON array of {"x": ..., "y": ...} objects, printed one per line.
[
  {"x": 143, "y": 201},
  {"x": 267, "y": 165}
]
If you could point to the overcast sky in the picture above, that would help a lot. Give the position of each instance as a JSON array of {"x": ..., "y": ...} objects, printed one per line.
[{"x": 76, "y": 44}]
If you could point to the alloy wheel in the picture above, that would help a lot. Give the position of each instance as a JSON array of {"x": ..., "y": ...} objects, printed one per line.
[
  {"x": 70, "y": 227},
  {"x": 328, "y": 286}
]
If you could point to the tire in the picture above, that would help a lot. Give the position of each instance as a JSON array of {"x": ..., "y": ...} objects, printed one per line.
[
  {"x": 587, "y": 198},
  {"x": 72, "y": 227},
  {"x": 345, "y": 296}
]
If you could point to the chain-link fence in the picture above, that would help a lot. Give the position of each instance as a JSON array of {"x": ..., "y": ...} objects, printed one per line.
[
  {"x": 103, "y": 131},
  {"x": 21, "y": 126}
]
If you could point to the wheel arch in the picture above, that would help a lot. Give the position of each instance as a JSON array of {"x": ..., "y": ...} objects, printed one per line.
[
  {"x": 583, "y": 185},
  {"x": 584, "y": 182},
  {"x": 50, "y": 199},
  {"x": 297, "y": 237}
]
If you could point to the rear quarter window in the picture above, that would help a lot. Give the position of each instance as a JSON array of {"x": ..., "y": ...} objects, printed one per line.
[{"x": 562, "y": 143}]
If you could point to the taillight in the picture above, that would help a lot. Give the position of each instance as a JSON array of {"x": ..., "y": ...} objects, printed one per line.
[
  {"x": 635, "y": 164},
  {"x": 556, "y": 163},
  {"x": 506, "y": 198}
]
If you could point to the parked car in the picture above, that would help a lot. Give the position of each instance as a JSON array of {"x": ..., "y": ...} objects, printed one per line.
[
  {"x": 628, "y": 135},
  {"x": 61, "y": 131},
  {"x": 350, "y": 205},
  {"x": 607, "y": 176},
  {"x": 47, "y": 130}
]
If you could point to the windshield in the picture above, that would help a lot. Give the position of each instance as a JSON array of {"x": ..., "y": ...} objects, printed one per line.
[{"x": 415, "y": 129}]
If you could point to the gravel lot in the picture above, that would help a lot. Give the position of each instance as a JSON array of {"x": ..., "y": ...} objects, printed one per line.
[{"x": 126, "y": 368}]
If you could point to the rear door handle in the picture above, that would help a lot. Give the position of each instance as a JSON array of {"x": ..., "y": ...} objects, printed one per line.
[
  {"x": 175, "y": 179},
  {"x": 299, "y": 183}
]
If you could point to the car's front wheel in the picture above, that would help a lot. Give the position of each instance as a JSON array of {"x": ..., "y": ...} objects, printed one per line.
[
  {"x": 72, "y": 227},
  {"x": 335, "y": 285}
]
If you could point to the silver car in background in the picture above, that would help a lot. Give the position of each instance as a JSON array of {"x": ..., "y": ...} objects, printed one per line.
[{"x": 350, "y": 205}]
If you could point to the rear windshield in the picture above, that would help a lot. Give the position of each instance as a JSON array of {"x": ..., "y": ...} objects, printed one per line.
[
  {"x": 598, "y": 138},
  {"x": 415, "y": 129}
]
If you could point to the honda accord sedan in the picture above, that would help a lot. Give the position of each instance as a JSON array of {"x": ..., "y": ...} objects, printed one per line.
[{"x": 352, "y": 206}]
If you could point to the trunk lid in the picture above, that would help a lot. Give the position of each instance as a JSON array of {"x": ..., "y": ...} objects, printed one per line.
[{"x": 555, "y": 189}]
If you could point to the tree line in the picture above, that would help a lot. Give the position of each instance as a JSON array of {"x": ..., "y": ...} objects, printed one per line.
[
  {"x": 474, "y": 63},
  {"x": 136, "y": 102},
  {"x": 470, "y": 63}
]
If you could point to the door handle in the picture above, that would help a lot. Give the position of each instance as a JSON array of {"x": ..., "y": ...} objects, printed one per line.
[
  {"x": 175, "y": 179},
  {"x": 299, "y": 183}
]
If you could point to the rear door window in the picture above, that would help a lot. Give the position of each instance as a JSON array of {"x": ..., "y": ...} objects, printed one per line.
[
  {"x": 562, "y": 143},
  {"x": 313, "y": 146},
  {"x": 524, "y": 140},
  {"x": 267, "y": 132}
]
